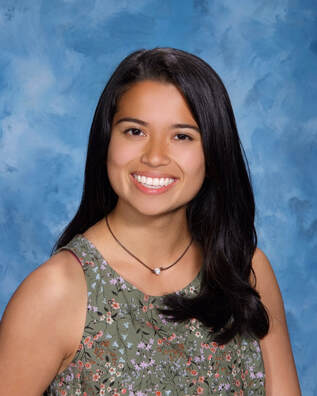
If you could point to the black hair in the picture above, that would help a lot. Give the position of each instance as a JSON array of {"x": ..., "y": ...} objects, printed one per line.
[{"x": 220, "y": 217}]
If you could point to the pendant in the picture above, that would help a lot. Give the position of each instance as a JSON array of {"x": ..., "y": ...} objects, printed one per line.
[{"x": 157, "y": 271}]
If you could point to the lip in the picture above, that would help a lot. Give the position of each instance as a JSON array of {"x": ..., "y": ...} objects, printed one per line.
[{"x": 152, "y": 191}]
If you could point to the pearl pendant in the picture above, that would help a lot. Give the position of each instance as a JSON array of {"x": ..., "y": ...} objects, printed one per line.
[{"x": 157, "y": 271}]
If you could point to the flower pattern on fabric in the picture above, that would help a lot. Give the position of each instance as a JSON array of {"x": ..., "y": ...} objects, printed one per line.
[{"x": 128, "y": 348}]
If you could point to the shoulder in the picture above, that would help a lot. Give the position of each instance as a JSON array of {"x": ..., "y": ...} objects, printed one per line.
[
  {"x": 263, "y": 276},
  {"x": 281, "y": 376},
  {"x": 48, "y": 292},
  {"x": 55, "y": 280},
  {"x": 265, "y": 282},
  {"x": 42, "y": 323},
  {"x": 260, "y": 262}
]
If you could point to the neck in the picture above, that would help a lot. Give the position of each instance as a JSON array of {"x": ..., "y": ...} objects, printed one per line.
[{"x": 167, "y": 234}]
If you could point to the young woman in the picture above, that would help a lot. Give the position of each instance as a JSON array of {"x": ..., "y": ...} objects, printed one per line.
[{"x": 156, "y": 287}]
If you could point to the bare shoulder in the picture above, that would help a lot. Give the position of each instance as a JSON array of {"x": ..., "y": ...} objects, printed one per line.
[
  {"x": 281, "y": 376},
  {"x": 52, "y": 284},
  {"x": 265, "y": 280},
  {"x": 267, "y": 286},
  {"x": 42, "y": 324},
  {"x": 62, "y": 269},
  {"x": 261, "y": 264}
]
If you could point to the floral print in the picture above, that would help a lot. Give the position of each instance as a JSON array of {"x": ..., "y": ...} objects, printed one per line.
[{"x": 128, "y": 348}]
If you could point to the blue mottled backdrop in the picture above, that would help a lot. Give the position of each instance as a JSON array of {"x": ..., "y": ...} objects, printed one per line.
[{"x": 55, "y": 59}]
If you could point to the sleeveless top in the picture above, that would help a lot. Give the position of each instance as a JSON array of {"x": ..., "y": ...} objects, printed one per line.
[{"x": 128, "y": 348}]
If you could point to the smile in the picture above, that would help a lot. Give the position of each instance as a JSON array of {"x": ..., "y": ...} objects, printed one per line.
[
  {"x": 153, "y": 185},
  {"x": 153, "y": 182}
]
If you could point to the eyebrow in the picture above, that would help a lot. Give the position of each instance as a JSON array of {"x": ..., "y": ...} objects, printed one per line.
[{"x": 136, "y": 120}]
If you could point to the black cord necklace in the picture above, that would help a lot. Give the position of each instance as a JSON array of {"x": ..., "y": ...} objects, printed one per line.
[{"x": 157, "y": 270}]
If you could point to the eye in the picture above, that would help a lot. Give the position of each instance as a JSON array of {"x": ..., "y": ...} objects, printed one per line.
[
  {"x": 134, "y": 132},
  {"x": 183, "y": 136}
]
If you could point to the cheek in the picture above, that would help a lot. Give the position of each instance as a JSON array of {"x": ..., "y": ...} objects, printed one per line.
[
  {"x": 119, "y": 156},
  {"x": 194, "y": 164}
]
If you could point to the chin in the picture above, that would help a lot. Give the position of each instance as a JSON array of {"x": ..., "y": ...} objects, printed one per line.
[{"x": 153, "y": 210}]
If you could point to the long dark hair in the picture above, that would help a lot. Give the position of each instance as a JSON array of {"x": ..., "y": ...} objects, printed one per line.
[{"x": 220, "y": 217}]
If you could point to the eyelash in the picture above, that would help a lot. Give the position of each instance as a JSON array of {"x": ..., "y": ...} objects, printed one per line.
[
  {"x": 127, "y": 132},
  {"x": 187, "y": 137}
]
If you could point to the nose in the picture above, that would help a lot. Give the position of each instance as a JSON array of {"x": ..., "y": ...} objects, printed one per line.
[{"x": 155, "y": 153}]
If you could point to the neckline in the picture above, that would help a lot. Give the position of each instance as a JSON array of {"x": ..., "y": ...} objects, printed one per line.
[{"x": 129, "y": 284}]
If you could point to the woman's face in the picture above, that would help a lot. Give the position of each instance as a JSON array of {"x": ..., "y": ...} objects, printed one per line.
[{"x": 155, "y": 157}]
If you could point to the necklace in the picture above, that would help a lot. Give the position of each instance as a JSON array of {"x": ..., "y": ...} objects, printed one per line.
[{"x": 157, "y": 270}]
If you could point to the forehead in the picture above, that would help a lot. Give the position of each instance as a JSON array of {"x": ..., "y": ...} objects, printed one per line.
[{"x": 154, "y": 99}]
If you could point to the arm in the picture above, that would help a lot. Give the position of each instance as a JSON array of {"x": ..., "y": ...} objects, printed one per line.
[
  {"x": 281, "y": 376},
  {"x": 42, "y": 326}
]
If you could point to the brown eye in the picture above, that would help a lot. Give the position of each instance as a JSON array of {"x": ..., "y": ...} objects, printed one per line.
[
  {"x": 183, "y": 136},
  {"x": 134, "y": 132}
]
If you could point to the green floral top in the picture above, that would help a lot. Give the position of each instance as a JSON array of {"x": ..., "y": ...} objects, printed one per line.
[{"x": 128, "y": 348}]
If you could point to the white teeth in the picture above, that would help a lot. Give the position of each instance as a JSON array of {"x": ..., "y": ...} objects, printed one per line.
[{"x": 154, "y": 182}]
